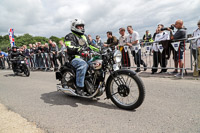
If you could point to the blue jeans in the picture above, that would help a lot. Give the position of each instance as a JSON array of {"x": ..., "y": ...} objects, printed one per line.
[{"x": 81, "y": 67}]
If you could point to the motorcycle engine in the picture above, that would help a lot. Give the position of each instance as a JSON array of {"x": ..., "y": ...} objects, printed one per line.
[{"x": 89, "y": 87}]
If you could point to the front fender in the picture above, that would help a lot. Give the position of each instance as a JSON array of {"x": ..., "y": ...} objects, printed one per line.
[{"x": 115, "y": 74}]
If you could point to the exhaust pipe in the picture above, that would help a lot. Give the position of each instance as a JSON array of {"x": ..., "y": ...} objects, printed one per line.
[
  {"x": 69, "y": 91},
  {"x": 66, "y": 90}
]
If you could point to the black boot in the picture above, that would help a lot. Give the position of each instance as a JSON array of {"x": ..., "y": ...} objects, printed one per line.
[
  {"x": 80, "y": 91},
  {"x": 145, "y": 67},
  {"x": 137, "y": 70}
]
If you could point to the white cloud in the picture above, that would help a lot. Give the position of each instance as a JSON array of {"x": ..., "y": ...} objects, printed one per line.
[{"x": 50, "y": 17}]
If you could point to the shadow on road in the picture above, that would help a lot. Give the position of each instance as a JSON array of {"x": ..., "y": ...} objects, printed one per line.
[
  {"x": 10, "y": 75},
  {"x": 57, "y": 98},
  {"x": 13, "y": 75}
]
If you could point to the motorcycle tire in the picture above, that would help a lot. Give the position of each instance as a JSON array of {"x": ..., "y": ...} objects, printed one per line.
[
  {"x": 124, "y": 90},
  {"x": 26, "y": 71},
  {"x": 67, "y": 74}
]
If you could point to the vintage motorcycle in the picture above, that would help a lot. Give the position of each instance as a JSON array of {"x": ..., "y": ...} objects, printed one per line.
[
  {"x": 20, "y": 66},
  {"x": 123, "y": 86}
]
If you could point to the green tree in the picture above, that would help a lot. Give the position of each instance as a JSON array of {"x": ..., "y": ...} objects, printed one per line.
[
  {"x": 40, "y": 39},
  {"x": 55, "y": 39},
  {"x": 25, "y": 40}
]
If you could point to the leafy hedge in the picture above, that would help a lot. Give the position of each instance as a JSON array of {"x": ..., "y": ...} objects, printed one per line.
[{"x": 25, "y": 39}]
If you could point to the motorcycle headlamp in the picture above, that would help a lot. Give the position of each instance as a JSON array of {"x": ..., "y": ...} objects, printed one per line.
[{"x": 117, "y": 56}]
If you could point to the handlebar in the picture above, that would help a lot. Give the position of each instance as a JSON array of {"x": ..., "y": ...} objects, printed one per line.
[{"x": 17, "y": 58}]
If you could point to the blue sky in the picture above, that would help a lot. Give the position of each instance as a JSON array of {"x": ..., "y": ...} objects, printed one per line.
[{"x": 52, "y": 17}]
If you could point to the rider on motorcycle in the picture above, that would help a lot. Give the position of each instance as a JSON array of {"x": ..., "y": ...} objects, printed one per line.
[
  {"x": 76, "y": 42},
  {"x": 15, "y": 54}
]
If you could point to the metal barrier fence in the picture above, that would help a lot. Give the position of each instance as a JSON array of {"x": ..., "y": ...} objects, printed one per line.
[
  {"x": 47, "y": 60},
  {"x": 169, "y": 53},
  {"x": 44, "y": 61}
]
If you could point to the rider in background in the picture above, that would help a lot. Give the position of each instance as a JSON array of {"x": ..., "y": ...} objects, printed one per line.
[{"x": 15, "y": 54}]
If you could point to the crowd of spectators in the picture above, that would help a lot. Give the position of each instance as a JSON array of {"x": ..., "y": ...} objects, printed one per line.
[{"x": 48, "y": 56}]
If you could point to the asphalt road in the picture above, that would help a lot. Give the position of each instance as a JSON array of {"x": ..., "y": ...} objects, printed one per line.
[{"x": 170, "y": 105}]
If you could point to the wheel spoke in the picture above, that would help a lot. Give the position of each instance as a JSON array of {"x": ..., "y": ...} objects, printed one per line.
[
  {"x": 115, "y": 93},
  {"x": 127, "y": 79},
  {"x": 129, "y": 83}
]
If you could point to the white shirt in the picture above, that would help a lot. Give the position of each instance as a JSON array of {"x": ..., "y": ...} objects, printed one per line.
[
  {"x": 196, "y": 33},
  {"x": 122, "y": 40},
  {"x": 134, "y": 37},
  {"x": 160, "y": 37}
]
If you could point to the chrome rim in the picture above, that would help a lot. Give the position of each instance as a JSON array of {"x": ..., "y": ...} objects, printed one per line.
[{"x": 127, "y": 93}]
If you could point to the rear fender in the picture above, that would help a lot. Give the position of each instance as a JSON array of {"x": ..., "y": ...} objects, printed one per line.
[{"x": 65, "y": 67}]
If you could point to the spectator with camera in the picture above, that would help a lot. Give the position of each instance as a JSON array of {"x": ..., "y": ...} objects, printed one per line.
[{"x": 178, "y": 55}]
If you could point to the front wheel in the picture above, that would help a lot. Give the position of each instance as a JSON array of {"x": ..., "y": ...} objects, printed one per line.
[
  {"x": 126, "y": 90},
  {"x": 26, "y": 71}
]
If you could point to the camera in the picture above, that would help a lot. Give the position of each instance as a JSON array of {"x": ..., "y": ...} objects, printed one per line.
[{"x": 165, "y": 28}]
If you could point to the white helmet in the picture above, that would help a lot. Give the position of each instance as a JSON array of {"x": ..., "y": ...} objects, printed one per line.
[{"x": 76, "y": 22}]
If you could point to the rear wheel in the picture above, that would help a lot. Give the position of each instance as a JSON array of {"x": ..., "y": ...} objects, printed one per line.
[
  {"x": 126, "y": 90},
  {"x": 68, "y": 78}
]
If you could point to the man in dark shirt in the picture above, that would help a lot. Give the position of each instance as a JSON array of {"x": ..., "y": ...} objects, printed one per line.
[
  {"x": 178, "y": 55},
  {"x": 112, "y": 41}
]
